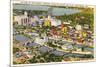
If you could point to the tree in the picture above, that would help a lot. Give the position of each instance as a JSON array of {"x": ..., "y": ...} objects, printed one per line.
[{"x": 15, "y": 49}]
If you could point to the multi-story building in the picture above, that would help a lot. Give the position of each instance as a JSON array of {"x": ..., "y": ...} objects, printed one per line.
[{"x": 22, "y": 19}]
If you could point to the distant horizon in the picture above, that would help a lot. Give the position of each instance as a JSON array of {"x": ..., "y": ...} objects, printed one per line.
[{"x": 53, "y": 4}]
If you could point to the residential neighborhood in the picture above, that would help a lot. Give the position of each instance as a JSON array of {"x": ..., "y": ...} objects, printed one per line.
[{"x": 43, "y": 34}]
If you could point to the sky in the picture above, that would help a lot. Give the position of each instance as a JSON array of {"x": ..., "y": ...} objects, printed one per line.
[{"x": 88, "y": 2}]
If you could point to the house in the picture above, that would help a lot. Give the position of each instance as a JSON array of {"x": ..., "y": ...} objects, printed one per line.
[
  {"x": 78, "y": 27},
  {"x": 55, "y": 22},
  {"x": 39, "y": 40}
]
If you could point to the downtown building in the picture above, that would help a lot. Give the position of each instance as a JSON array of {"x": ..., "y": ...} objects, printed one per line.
[{"x": 22, "y": 19}]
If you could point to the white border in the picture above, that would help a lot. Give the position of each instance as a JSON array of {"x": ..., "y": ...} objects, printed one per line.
[{"x": 49, "y": 3}]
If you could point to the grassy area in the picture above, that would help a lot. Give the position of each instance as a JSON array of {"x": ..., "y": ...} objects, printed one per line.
[{"x": 84, "y": 17}]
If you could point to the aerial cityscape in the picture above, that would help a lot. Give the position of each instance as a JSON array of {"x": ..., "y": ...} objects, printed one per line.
[{"x": 45, "y": 34}]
